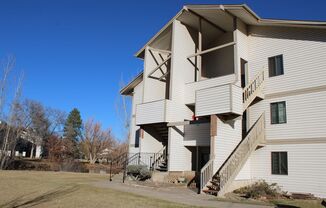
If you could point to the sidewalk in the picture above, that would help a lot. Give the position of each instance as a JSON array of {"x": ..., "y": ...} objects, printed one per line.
[{"x": 175, "y": 194}]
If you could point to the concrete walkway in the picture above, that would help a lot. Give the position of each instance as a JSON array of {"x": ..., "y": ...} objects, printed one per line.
[{"x": 174, "y": 194}]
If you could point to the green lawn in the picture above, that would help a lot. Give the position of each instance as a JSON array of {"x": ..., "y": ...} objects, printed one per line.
[{"x": 60, "y": 189}]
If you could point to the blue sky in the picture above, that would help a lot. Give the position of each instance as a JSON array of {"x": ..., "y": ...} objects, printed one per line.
[{"x": 74, "y": 52}]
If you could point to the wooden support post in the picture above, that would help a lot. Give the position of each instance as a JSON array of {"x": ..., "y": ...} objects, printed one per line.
[
  {"x": 200, "y": 48},
  {"x": 213, "y": 132},
  {"x": 197, "y": 159},
  {"x": 142, "y": 133}
]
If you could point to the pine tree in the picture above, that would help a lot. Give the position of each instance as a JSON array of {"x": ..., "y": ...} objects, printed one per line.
[{"x": 72, "y": 132}]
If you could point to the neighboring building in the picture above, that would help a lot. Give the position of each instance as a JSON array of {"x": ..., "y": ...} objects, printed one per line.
[
  {"x": 234, "y": 97},
  {"x": 27, "y": 145}
]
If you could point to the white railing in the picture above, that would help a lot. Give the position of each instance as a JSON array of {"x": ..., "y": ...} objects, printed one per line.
[
  {"x": 252, "y": 89},
  {"x": 206, "y": 174},
  {"x": 235, "y": 162}
]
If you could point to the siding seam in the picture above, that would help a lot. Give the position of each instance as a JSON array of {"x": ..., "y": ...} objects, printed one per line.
[
  {"x": 296, "y": 92},
  {"x": 316, "y": 140}
]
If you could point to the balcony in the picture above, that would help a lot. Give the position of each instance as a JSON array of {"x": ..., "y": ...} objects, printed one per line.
[
  {"x": 224, "y": 100},
  {"x": 191, "y": 88},
  {"x": 160, "y": 111}
]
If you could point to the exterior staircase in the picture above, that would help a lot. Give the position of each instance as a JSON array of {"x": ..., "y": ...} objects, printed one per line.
[
  {"x": 222, "y": 179},
  {"x": 219, "y": 183},
  {"x": 154, "y": 162}
]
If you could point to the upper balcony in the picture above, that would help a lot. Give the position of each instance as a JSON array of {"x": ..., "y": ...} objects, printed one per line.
[
  {"x": 160, "y": 111},
  {"x": 212, "y": 89}
]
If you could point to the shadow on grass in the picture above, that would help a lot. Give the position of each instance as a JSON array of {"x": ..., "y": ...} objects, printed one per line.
[
  {"x": 45, "y": 197},
  {"x": 285, "y": 206}
]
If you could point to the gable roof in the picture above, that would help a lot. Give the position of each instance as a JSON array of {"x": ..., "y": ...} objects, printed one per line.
[
  {"x": 129, "y": 88},
  {"x": 241, "y": 11}
]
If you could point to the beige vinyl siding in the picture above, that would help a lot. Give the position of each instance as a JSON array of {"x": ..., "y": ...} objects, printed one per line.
[
  {"x": 242, "y": 47},
  {"x": 153, "y": 89},
  {"x": 304, "y": 52},
  {"x": 306, "y": 167},
  {"x": 149, "y": 144},
  {"x": 191, "y": 88},
  {"x": 174, "y": 110},
  {"x": 179, "y": 155},
  {"x": 304, "y": 56},
  {"x": 305, "y": 116},
  {"x": 219, "y": 100},
  {"x": 136, "y": 99},
  {"x": 181, "y": 72},
  {"x": 245, "y": 172},
  {"x": 197, "y": 134},
  {"x": 228, "y": 137},
  {"x": 181, "y": 69},
  {"x": 236, "y": 100},
  {"x": 151, "y": 112}
]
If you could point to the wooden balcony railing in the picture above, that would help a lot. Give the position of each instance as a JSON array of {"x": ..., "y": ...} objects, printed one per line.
[{"x": 252, "y": 89}]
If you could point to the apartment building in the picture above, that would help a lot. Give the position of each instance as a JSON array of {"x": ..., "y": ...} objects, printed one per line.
[{"x": 234, "y": 98}]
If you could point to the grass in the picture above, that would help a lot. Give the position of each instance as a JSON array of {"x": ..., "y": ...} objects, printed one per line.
[
  {"x": 299, "y": 203},
  {"x": 61, "y": 189},
  {"x": 280, "y": 203},
  {"x": 288, "y": 203}
]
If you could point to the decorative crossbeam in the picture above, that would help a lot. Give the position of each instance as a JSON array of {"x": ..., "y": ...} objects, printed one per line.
[
  {"x": 163, "y": 76},
  {"x": 212, "y": 49},
  {"x": 159, "y": 66},
  {"x": 159, "y": 50}
]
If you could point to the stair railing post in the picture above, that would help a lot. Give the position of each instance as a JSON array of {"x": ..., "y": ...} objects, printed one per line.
[
  {"x": 199, "y": 182},
  {"x": 125, "y": 168},
  {"x": 111, "y": 170},
  {"x": 150, "y": 163}
]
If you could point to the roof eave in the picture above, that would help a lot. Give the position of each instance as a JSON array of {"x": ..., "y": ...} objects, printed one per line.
[
  {"x": 128, "y": 89},
  {"x": 138, "y": 54},
  {"x": 236, "y": 6}
]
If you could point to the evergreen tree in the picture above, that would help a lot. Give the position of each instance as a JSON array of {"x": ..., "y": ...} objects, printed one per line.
[{"x": 72, "y": 132}]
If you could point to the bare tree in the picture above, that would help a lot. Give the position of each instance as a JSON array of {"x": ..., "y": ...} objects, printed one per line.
[
  {"x": 7, "y": 66},
  {"x": 41, "y": 123},
  {"x": 123, "y": 114},
  {"x": 12, "y": 127},
  {"x": 95, "y": 140}
]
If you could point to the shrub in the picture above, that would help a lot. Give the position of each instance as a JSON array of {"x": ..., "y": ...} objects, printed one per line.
[
  {"x": 140, "y": 172},
  {"x": 260, "y": 189}
]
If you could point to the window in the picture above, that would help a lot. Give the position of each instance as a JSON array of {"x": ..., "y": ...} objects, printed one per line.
[
  {"x": 280, "y": 163},
  {"x": 137, "y": 136},
  {"x": 275, "y": 65},
  {"x": 278, "y": 113}
]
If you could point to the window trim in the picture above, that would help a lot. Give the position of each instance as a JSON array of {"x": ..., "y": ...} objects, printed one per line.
[
  {"x": 269, "y": 67},
  {"x": 279, "y": 163},
  {"x": 278, "y": 120}
]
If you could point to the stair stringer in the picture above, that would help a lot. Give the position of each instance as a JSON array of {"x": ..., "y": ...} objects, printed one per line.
[{"x": 233, "y": 165}]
